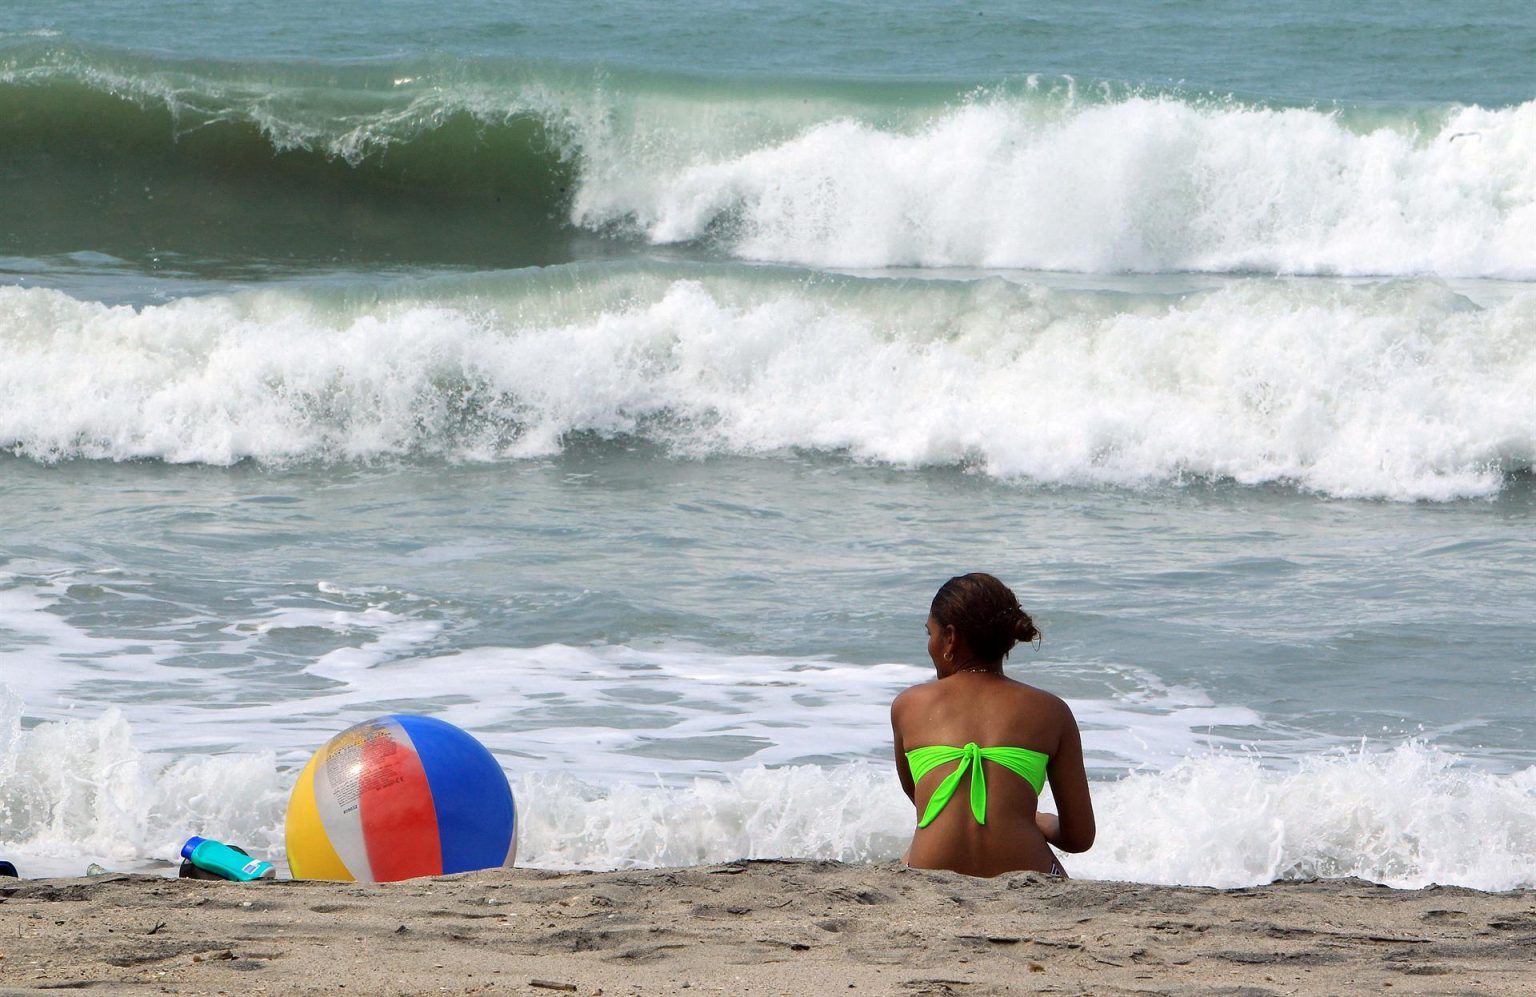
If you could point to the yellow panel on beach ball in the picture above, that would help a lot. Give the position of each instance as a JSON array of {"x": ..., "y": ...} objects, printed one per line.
[{"x": 310, "y": 855}]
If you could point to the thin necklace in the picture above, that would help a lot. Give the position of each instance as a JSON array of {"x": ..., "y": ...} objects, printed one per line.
[{"x": 974, "y": 668}]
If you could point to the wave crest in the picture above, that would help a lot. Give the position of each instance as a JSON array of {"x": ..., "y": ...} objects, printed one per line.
[
  {"x": 504, "y": 164},
  {"x": 1135, "y": 185},
  {"x": 1404, "y": 390}
]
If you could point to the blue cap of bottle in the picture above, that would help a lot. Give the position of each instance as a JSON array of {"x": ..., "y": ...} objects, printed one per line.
[{"x": 192, "y": 843}]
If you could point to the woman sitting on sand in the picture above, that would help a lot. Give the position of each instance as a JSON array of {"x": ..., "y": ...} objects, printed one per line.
[{"x": 975, "y": 729}]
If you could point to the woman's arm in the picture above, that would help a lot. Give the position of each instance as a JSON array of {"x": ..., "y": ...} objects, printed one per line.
[
  {"x": 903, "y": 769},
  {"x": 1072, "y": 829}
]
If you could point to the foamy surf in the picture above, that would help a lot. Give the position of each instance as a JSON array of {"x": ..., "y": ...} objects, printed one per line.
[
  {"x": 79, "y": 791},
  {"x": 1409, "y": 816},
  {"x": 1142, "y": 184},
  {"x": 1401, "y": 390}
]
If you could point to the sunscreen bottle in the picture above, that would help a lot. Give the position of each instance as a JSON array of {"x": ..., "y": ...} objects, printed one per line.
[{"x": 217, "y": 857}]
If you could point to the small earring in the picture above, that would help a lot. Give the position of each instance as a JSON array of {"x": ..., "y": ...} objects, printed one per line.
[{"x": 949, "y": 656}]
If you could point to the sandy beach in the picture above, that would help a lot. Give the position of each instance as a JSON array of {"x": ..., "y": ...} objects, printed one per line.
[{"x": 758, "y": 928}]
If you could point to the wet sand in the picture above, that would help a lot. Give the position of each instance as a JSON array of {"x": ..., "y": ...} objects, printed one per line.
[{"x": 758, "y": 928}]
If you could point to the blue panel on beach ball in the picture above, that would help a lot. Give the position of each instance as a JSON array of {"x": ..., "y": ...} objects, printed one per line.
[{"x": 476, "y": 816}]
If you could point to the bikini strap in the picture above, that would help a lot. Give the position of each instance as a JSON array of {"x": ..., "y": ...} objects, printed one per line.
[{"x": 1028, "y": 765}]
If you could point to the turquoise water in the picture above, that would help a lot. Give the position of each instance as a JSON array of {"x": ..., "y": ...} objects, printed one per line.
[
  {"x": 1310, "y": 51},
  {"x": 619, "y": 383}
]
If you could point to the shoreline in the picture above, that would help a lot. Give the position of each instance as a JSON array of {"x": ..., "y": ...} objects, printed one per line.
[{"x": 761, "y": 927}]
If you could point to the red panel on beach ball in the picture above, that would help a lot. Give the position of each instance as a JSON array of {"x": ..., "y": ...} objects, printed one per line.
[{"x": 399, "y": 821}]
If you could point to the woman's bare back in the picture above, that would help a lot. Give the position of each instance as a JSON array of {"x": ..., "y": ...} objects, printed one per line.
[{"x": 991, "y": 711}]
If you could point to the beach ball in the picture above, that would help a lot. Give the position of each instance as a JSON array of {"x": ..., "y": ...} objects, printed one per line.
[{"x": 397, "y": 797}]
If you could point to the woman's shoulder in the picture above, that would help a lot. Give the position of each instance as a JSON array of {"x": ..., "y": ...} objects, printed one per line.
[
  {"x": 1043, "y": 702},
  {"x": 914, "y": 695},
  {"x": 1044, "y": 696}
]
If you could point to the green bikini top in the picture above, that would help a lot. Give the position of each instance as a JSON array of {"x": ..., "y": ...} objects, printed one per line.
[{"x": 1028, "y": 765}]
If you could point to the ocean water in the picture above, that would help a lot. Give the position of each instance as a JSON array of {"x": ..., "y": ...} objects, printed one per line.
[{"x": 619, "y": 383}]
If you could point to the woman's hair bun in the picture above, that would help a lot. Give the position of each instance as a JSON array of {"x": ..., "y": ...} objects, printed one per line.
[{"x": 1024, "y": 628}]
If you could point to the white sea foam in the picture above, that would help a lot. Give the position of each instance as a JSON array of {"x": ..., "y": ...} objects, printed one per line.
[
  {"x": 1403, "y": 390},
  {"x": 853, "y": 813},
  {"x": 79, "y": 791},
  {"x": 1143, "y": 184},
  {"x": 1407, "y": 817}
]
